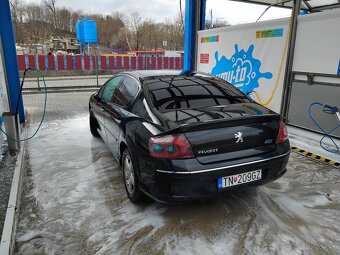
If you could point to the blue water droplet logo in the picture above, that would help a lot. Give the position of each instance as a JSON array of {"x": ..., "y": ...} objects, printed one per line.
[{"x": 242, "y": 69}]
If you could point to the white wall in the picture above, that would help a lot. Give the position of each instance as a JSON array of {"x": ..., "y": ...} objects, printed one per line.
[
  {"x": 317, "y": 47},
  {"x": 3, "y": 95}
]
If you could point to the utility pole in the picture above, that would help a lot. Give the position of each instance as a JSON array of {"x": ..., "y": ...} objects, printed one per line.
[{"x": 211, "y": 18}]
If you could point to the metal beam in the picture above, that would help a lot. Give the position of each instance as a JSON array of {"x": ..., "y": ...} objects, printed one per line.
[
  {"x": 262, "y": 3},
  {"x": 288, "y": 79},
  {"x": 194, "y": 20},
  {"x": 307, "y": 4},
  {"x": 325, "y": 7},
  {"x": 10, "y": 59}
]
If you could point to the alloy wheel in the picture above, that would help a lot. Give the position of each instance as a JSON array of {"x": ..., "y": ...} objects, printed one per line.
[{"x": 129, "y": 175}]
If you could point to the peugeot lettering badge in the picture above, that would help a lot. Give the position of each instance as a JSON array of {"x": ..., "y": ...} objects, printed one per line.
[{"x": 239, "y": 137}]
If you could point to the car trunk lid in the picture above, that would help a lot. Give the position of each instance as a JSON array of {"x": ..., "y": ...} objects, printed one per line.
[{"x": 225, "y": 133}]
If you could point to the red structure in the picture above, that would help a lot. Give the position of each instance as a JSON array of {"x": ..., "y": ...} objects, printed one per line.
[{"x": 60, "y": 62}]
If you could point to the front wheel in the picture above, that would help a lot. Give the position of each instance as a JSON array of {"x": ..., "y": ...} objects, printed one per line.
[
  {"x": 94, "y": 126},
  {"x": 131, "y": 179}
]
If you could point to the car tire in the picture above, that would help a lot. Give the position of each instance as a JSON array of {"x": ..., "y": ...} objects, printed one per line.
[
  {"x": 131, "y": 181},
  {"x": 94, "y": 126}
]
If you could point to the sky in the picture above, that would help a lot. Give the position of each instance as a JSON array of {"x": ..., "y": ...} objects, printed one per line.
[{"x": 158, "y": 10}]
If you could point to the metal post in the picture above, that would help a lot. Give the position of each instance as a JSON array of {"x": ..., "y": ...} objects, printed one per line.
[
  {"x": 10, "y": 59},
  {"x": 96, "y": 62},
  {"x": 202, "y": 14},
  {"x": 288, "y": 79},
  {"x": 37, "y": 67},
  {"x": 11, "y": 122},
  {"x": 189, "y": 35},
  {"x": 194, "y": 20}
]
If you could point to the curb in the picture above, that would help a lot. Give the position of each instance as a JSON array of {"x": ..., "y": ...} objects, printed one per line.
[
  {"x": 7, "y": 238},
  {"x": 316, "y": 157}
]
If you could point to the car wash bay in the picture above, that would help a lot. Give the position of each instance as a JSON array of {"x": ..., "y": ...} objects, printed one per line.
[{"x": 74, "y": 201}]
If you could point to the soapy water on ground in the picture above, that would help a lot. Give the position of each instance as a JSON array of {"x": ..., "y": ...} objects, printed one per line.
[{"x": 74, "y": 202}]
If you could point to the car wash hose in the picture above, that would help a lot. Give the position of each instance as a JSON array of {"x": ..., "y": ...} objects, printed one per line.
[
  {"x": 329, "y": 110},
  {"x": 284, "y": 53},
  {"x": 39, "y": 73}
]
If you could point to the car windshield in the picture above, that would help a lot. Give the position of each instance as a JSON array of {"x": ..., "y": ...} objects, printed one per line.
[{"x": 181, "y": 92}]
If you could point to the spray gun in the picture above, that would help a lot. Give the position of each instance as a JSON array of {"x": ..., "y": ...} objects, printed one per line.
[
  {"x": 333, "y": 110},
  {"x": 337, "y": 114}
]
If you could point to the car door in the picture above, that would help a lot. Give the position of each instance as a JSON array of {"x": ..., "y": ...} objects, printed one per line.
[
  {"x": 105, "y": 97},
  {"x": 119, "y": 109}
]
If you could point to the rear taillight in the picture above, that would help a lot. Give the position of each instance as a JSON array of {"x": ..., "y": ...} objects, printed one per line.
[
  {"x": 283, "y": 133},
  {"x": 170, "y": 146}
]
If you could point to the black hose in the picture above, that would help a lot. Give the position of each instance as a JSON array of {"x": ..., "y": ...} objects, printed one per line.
[{"x": 21, "y": 86}]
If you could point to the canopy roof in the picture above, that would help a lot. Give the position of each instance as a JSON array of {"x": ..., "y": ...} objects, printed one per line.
[{"x": 311, "y": 5}]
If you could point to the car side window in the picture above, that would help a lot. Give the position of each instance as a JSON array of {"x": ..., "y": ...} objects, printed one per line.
[
  {"x": 110, "y": 88},
  {"x": 140, "y": 110},
  {"x": 126, "y": 92}
]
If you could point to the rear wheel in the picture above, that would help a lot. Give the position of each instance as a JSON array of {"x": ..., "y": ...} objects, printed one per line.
[
  {"x": 94, "y": 126},
  {"x": 131, "y": 179}
]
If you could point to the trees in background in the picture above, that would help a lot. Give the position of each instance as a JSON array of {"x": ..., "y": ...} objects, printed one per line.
[
  {"x": 36, "y": 23},
  {"x": 50, "y": 5}
]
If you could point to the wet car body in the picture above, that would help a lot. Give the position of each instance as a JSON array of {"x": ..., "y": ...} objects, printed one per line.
[{"x": 222, "y": 133}]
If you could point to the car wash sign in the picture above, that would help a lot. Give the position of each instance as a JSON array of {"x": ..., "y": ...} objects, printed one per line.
[
  {"x": 242, "y": 69},
  {"x": 248, "y": 56}
]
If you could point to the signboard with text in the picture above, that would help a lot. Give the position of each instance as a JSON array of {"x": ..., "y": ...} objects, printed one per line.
[{"x": 249, "y": 56}]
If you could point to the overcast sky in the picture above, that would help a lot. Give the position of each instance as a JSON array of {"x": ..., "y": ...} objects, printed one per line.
[{"x": 158, "y": 10}]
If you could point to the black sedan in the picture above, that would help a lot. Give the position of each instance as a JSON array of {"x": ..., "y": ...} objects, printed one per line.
[{"x": 185, "y": 137}]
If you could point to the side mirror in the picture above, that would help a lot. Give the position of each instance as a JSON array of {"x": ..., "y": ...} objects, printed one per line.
[{"x": 96, "y": 97}]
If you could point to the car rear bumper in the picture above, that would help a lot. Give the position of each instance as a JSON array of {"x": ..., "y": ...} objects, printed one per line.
[{"x": 202, "y": 184}]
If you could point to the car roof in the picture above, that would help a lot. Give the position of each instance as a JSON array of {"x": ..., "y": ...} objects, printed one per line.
[{"x": 143, "y": 74}]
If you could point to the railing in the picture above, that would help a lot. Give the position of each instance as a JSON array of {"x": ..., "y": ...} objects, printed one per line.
[{"x": 79, "y": 62}]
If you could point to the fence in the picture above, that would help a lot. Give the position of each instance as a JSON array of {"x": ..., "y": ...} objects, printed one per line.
[{"x": 63, "y": 62}]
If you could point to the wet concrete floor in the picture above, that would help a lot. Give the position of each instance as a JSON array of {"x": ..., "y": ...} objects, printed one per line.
[{"x": 74, "y": 202}]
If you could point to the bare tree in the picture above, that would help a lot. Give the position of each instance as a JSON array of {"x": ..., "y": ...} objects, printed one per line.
[
  {"x": 109, "y": 28},
  {"x": 174, "y": 32},
  {"x": 36, "y": 23},
  {"x": 137, "y": 30},
  {"x": 38, "y": 29},
  {"x": 50, "y": 4},
  {"x": 17, "y": 11},
  {"x": 63, "y": 19},
  {"x": 209, "y": 23},
  {"x": 74, "y": 18}
]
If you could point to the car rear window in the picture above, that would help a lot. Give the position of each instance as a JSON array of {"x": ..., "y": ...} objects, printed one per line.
[{"x": 181, "y": 92}]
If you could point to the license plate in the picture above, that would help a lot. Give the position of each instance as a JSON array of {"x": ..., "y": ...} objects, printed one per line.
[{"x": 237, "y": 179}]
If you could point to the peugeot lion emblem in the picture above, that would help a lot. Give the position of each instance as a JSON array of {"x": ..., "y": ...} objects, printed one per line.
[{"x": 239, "y": 137}]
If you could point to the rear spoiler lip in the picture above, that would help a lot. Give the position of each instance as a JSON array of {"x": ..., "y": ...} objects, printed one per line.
[
  {"x": 233, "y": 119},
  {"x": 193, "y": 127}
]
